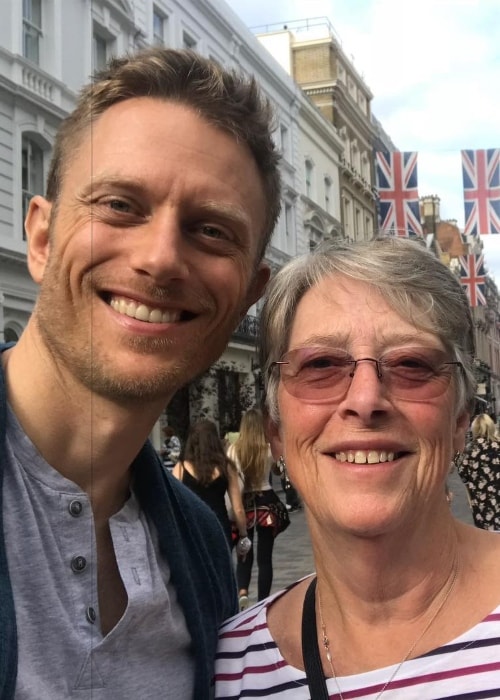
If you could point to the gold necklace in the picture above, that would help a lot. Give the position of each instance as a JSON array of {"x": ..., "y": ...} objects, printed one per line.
[{"x": 326, "y": 641}]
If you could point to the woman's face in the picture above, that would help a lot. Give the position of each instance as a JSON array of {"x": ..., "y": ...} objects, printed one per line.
[{"x": 366, "y": 460}]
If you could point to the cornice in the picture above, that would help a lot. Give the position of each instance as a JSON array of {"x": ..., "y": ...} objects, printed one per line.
[{"x": 12, "y": 258}]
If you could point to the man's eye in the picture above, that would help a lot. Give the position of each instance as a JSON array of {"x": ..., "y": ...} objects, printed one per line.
[
  {"x": 119, "y": 205},
  {"x": 212, "y": 232}
]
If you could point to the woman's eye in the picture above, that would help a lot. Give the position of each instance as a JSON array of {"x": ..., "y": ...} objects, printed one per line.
[
  {"x": 323, "y": 362},
  {"x": 415, "y": 366}
]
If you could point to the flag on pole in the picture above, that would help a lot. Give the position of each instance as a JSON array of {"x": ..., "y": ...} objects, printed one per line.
[
  {"x": 472, "y": 278},
  {"x": 481, "y": 178},
  {"x": 398, "y": 192}
]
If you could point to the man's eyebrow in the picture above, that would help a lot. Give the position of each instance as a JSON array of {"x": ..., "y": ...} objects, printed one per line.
[
  {"x": 220, "y": 209},
  {"x": 111, "y": 181}
]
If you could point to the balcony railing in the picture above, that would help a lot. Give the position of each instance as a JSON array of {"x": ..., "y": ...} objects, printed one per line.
[{"x": 248, "y": 330}]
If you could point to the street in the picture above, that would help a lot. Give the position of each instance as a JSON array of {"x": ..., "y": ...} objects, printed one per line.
[{"x": 292, "y": 556}]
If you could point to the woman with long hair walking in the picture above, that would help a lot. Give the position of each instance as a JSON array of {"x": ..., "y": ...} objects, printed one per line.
[{"x": 252, "y": 455}]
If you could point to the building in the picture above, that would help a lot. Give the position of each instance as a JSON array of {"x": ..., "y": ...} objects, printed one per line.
[
  {"x": 312, "y": 53},
  {"x": 449, "y": 243}
]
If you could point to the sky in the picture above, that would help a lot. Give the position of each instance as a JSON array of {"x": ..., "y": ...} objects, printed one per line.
[{"x": 434, "y": 73}]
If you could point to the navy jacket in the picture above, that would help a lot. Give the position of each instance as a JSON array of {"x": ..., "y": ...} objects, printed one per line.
[{"x": 190, "y": 539}]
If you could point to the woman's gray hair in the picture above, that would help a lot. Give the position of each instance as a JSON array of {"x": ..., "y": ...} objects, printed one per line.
[{"x": 411, "y": 279}]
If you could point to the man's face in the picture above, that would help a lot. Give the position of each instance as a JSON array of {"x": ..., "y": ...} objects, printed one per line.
[{"x": 150, "y": 261}]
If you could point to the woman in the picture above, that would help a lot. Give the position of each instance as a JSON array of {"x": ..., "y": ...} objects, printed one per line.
[
  {"x": 479, "y": 469},
  {"x": 367, "y": 353},
  {"x": 252, "y": 457},
  {"x": 206, "y": 470}
]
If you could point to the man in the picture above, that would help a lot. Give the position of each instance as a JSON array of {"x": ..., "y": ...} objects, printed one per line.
[
  {"x": 171, "y": 449},
  {"x": 161, "y": 197}
]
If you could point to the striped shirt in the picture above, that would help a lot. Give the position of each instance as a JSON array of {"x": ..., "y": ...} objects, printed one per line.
[{"x": 249, "y": 665}]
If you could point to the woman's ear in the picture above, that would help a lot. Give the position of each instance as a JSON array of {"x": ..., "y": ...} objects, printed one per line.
[
  {"x": 461, "y": 427},
  {"x": 273, "y": 435},
  {"x": 37, "y": 225}
]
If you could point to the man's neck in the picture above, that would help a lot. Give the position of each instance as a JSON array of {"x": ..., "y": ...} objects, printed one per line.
[{"x": 89, "y": 439}]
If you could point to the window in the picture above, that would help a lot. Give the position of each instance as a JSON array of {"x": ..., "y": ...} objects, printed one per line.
[
  {"x": 347, "y": 218},
  {"x": 309, "y": 178},
  {"x": 328, "y": 194},
  {"x": 159, "y": 21},
  {"x": 365, "y": 166},
  {"x": 351, "y": 86},
  {"x": 31, "y": 172},
  {"x": 358, "y": 232},
  {"x": 288, "y": 220},
  {"x": 368, "y": 226},
  {"x": 32, "y": 29},
  {"x": 187, "y": 41},
  {"x": 285, "y": 142},
  {"x": 99, "y": 52},
  {"x": 355, "y": 157},
  {"x": 10, "y": 335}
]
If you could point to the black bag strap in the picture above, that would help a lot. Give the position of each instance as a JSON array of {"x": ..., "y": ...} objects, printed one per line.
[{"x": 310, "y": 650}]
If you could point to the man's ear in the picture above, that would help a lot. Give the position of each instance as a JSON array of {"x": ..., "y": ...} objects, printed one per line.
[
  {"x": 257, "y": 286},
  {"x": 37, "y": 225}
]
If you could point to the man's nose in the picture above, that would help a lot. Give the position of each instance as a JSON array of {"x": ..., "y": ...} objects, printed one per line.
[{"x": 161, "y": 249}]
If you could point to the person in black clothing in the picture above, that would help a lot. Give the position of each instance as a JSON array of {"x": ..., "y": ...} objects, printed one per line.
[
  {"x": 206, "y": 469},
  {"x": 171, "y": 450},
  {"x": 291, "y": 496},
  {"x": 479, "y": 469}
]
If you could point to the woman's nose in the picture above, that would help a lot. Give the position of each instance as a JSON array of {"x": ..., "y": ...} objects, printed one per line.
[{"x": 367, "y": 394}]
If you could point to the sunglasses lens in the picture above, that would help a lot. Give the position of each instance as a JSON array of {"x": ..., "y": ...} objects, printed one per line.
[{"x": 321, "y": 374}]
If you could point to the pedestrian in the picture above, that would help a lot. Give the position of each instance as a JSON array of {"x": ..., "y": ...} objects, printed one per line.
[
  {"x": 210, "y": 474},
  {"x": 161, "y": 196},
  {"x": 291, "y": 496},
  {"x": 479, "y": 469},
  {"x": 171, "y": 449},
  {"x": 367, "y": 354},
  {"x": 231, "y": 436},
  {"x": 252, "y": 456}
]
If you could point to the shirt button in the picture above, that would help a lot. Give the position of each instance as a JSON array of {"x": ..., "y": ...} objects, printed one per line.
[
  {"x": 78, "y": 564},
  {"x": 75, "y": 508},
  {"x": 90, "y": 615}
]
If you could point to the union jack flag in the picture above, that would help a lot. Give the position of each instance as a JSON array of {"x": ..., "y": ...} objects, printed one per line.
[
  {"x": 481, "y": 177},
  {"x": 397, "y": 186},
  {"x": 472, "y": 278}
]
